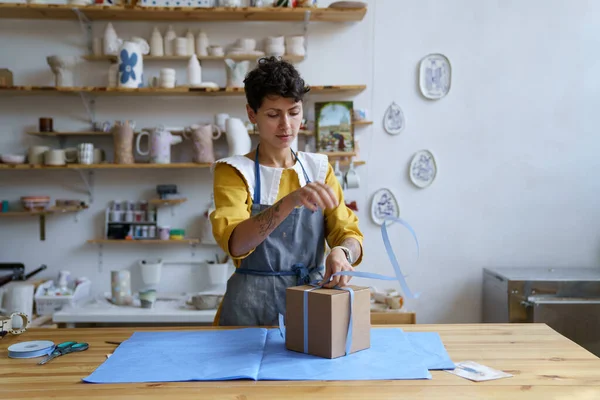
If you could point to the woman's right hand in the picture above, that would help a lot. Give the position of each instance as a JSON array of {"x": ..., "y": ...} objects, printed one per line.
[{"x": 315, "y": 195}]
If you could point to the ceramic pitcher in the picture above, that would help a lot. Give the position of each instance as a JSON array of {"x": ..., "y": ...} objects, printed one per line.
[
  {"x": 123, "y": 143},
  {"x": 202, "y": 136},
  {"x": 236, "y": 72},
  {"x": 160, "y": 142},
  {"x": 238, "y": 139},
  {"x": 131, "y": 62}
]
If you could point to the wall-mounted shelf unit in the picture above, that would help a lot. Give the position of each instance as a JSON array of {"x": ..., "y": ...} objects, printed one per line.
[
  {"x": 235, "y": 57},
  {"x": 74, "y": 167},
  {"x": 42, "y": 215},
  {"x": 137, "y": 13},
  {"x": 178, "y": 91}
]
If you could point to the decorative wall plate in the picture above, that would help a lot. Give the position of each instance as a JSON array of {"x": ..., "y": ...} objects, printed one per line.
[
  {"x": 423, "y": 169},
  {"x": 393, "y": 119},
  {"x": 384, "y": 205},
  {"x": 435, "y": 76}
]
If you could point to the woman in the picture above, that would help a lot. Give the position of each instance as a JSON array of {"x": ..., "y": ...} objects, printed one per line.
[{"x": 276, "y": 208}]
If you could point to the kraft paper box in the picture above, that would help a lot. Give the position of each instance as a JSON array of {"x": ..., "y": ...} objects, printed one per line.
[{"x": 328, "y": 316}]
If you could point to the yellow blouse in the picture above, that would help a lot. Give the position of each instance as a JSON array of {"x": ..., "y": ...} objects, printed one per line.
[{"x": 233, "y": 205}]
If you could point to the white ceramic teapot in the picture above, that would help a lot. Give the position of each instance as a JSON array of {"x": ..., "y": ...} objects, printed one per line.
[{"x": 160, "y": 142}]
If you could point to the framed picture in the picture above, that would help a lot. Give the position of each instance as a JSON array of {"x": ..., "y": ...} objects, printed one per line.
[{"x": 333, "y": 127}]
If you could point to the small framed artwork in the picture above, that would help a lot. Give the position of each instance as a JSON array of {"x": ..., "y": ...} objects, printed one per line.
[{"x": 333, "y": 127}]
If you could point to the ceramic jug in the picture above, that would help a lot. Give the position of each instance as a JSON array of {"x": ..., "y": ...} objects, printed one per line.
[
  {"x": 236, "y": 72},
  {"x": 123, "y": 143},
  {"x": 160, "y": 142},
  {"x": 202, "y": 137},
  {"x": 238, "y": 139},
  {"x": 111, "y": 41},
  {"x": 131, "y": 62}
]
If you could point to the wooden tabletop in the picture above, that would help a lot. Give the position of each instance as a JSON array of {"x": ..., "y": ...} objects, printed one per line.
[{"x": 545, "y": 365}]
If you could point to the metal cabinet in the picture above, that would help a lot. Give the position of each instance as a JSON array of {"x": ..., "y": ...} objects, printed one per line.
[{"x": 566, "y": 299}]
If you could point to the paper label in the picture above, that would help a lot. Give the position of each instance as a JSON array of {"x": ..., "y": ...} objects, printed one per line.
[{"x": 477, "y": 372}]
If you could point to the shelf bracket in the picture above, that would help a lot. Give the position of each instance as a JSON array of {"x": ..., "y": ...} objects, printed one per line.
[
  {"x": 42, "y": 227},
  {"x": 86, "y": 28},
  {"x": 100, "y": 254},
  {"x": 88, "y": 182},
  {"x": 193, "y": 249},
  {"x": 306, "y": 22},
  {"x": 89, "y": 102}
]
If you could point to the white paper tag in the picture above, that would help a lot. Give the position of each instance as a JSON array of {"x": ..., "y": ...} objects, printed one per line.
[{"x": 477, "y": 372}]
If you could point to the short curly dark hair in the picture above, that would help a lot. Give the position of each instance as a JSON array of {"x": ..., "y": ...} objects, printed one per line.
[{"x": 273, "y": 76}]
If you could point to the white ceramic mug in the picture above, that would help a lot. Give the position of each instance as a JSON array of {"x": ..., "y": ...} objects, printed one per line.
[
  {"x": 57, "y": 157},
  {"x": 247, "y": 44},
  {"x": 35, "y": 155},
  {"x": 18, "y": 298},
  {"x": 167, "y": 78},
  {"x": 352, "y": 178},
  {"x": 85, "y": 153},
  {"x": 99, "y": 156}
]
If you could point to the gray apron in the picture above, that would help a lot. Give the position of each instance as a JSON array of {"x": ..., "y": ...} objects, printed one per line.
[{"x": 291, "y": 255}]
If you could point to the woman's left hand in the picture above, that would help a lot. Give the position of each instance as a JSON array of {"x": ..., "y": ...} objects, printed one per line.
[{"x": 336, "y": 262}]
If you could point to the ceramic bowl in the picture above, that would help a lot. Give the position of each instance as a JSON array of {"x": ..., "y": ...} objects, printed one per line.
[
  {"x": 205, "y": 301},
  {"x": 13, "y": 159}
]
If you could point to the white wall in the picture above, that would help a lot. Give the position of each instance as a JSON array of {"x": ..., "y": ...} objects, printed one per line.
[{"x": 513, "y": 140}]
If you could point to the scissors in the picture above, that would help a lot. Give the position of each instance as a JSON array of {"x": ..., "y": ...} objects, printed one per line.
[{"x": 64, "y": 348}]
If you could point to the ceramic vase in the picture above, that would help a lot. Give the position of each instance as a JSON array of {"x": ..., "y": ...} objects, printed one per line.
[
  {"x": 63, "y": 67},
  {"x": 123, "y": 143},
  {"x": 110, "y": 41},
  {"x": 202, "y": 44},
  {"x": 202, "y": 137},
  {"x": 194, "y": 71},
  {"x": 131, "y": 63},
  {"x": 157, "y": 45},
  {"x": 236, "y": 72},
  {"x": 191, "y": 43},
  {"x": 169, "y": 41}
]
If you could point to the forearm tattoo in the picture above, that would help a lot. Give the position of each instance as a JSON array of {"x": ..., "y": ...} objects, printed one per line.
[{"x": 268, "y": 218}]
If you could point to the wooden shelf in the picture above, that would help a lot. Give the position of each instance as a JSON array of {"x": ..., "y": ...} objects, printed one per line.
[
  {"x": 178, "y": 91},
  {"x": 103, "y": 166},
  {"x": 237, "y": 57},
  {"x": 171, "y": 202},
  {"x": 41, "y": 214},
  {"x": 136, "y": 13},
  {"x": 144, "y": 241},
  {"x": 50, "y": 210},
  {"x": 72, "y": 167}
]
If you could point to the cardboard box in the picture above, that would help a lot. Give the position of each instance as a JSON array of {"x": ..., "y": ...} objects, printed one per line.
[{"x": 328, "y": 316}]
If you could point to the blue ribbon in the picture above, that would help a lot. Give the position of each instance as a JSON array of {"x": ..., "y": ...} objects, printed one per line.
[
  {"x": 399, "y": 277},
  {"x": 305, "y": 315}
]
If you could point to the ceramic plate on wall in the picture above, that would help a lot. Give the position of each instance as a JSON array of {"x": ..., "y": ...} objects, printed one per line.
[
  {"x": 384, "y": 205},
  {"x": 393, "y": 119},
  {"x": 435, "y": 76},
  {"x": 423, "y": 169}
]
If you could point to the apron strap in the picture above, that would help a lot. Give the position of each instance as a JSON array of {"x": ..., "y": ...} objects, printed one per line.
[
  {"x": 299, "y": 270},
  {"x": 256, "y": 199}
]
